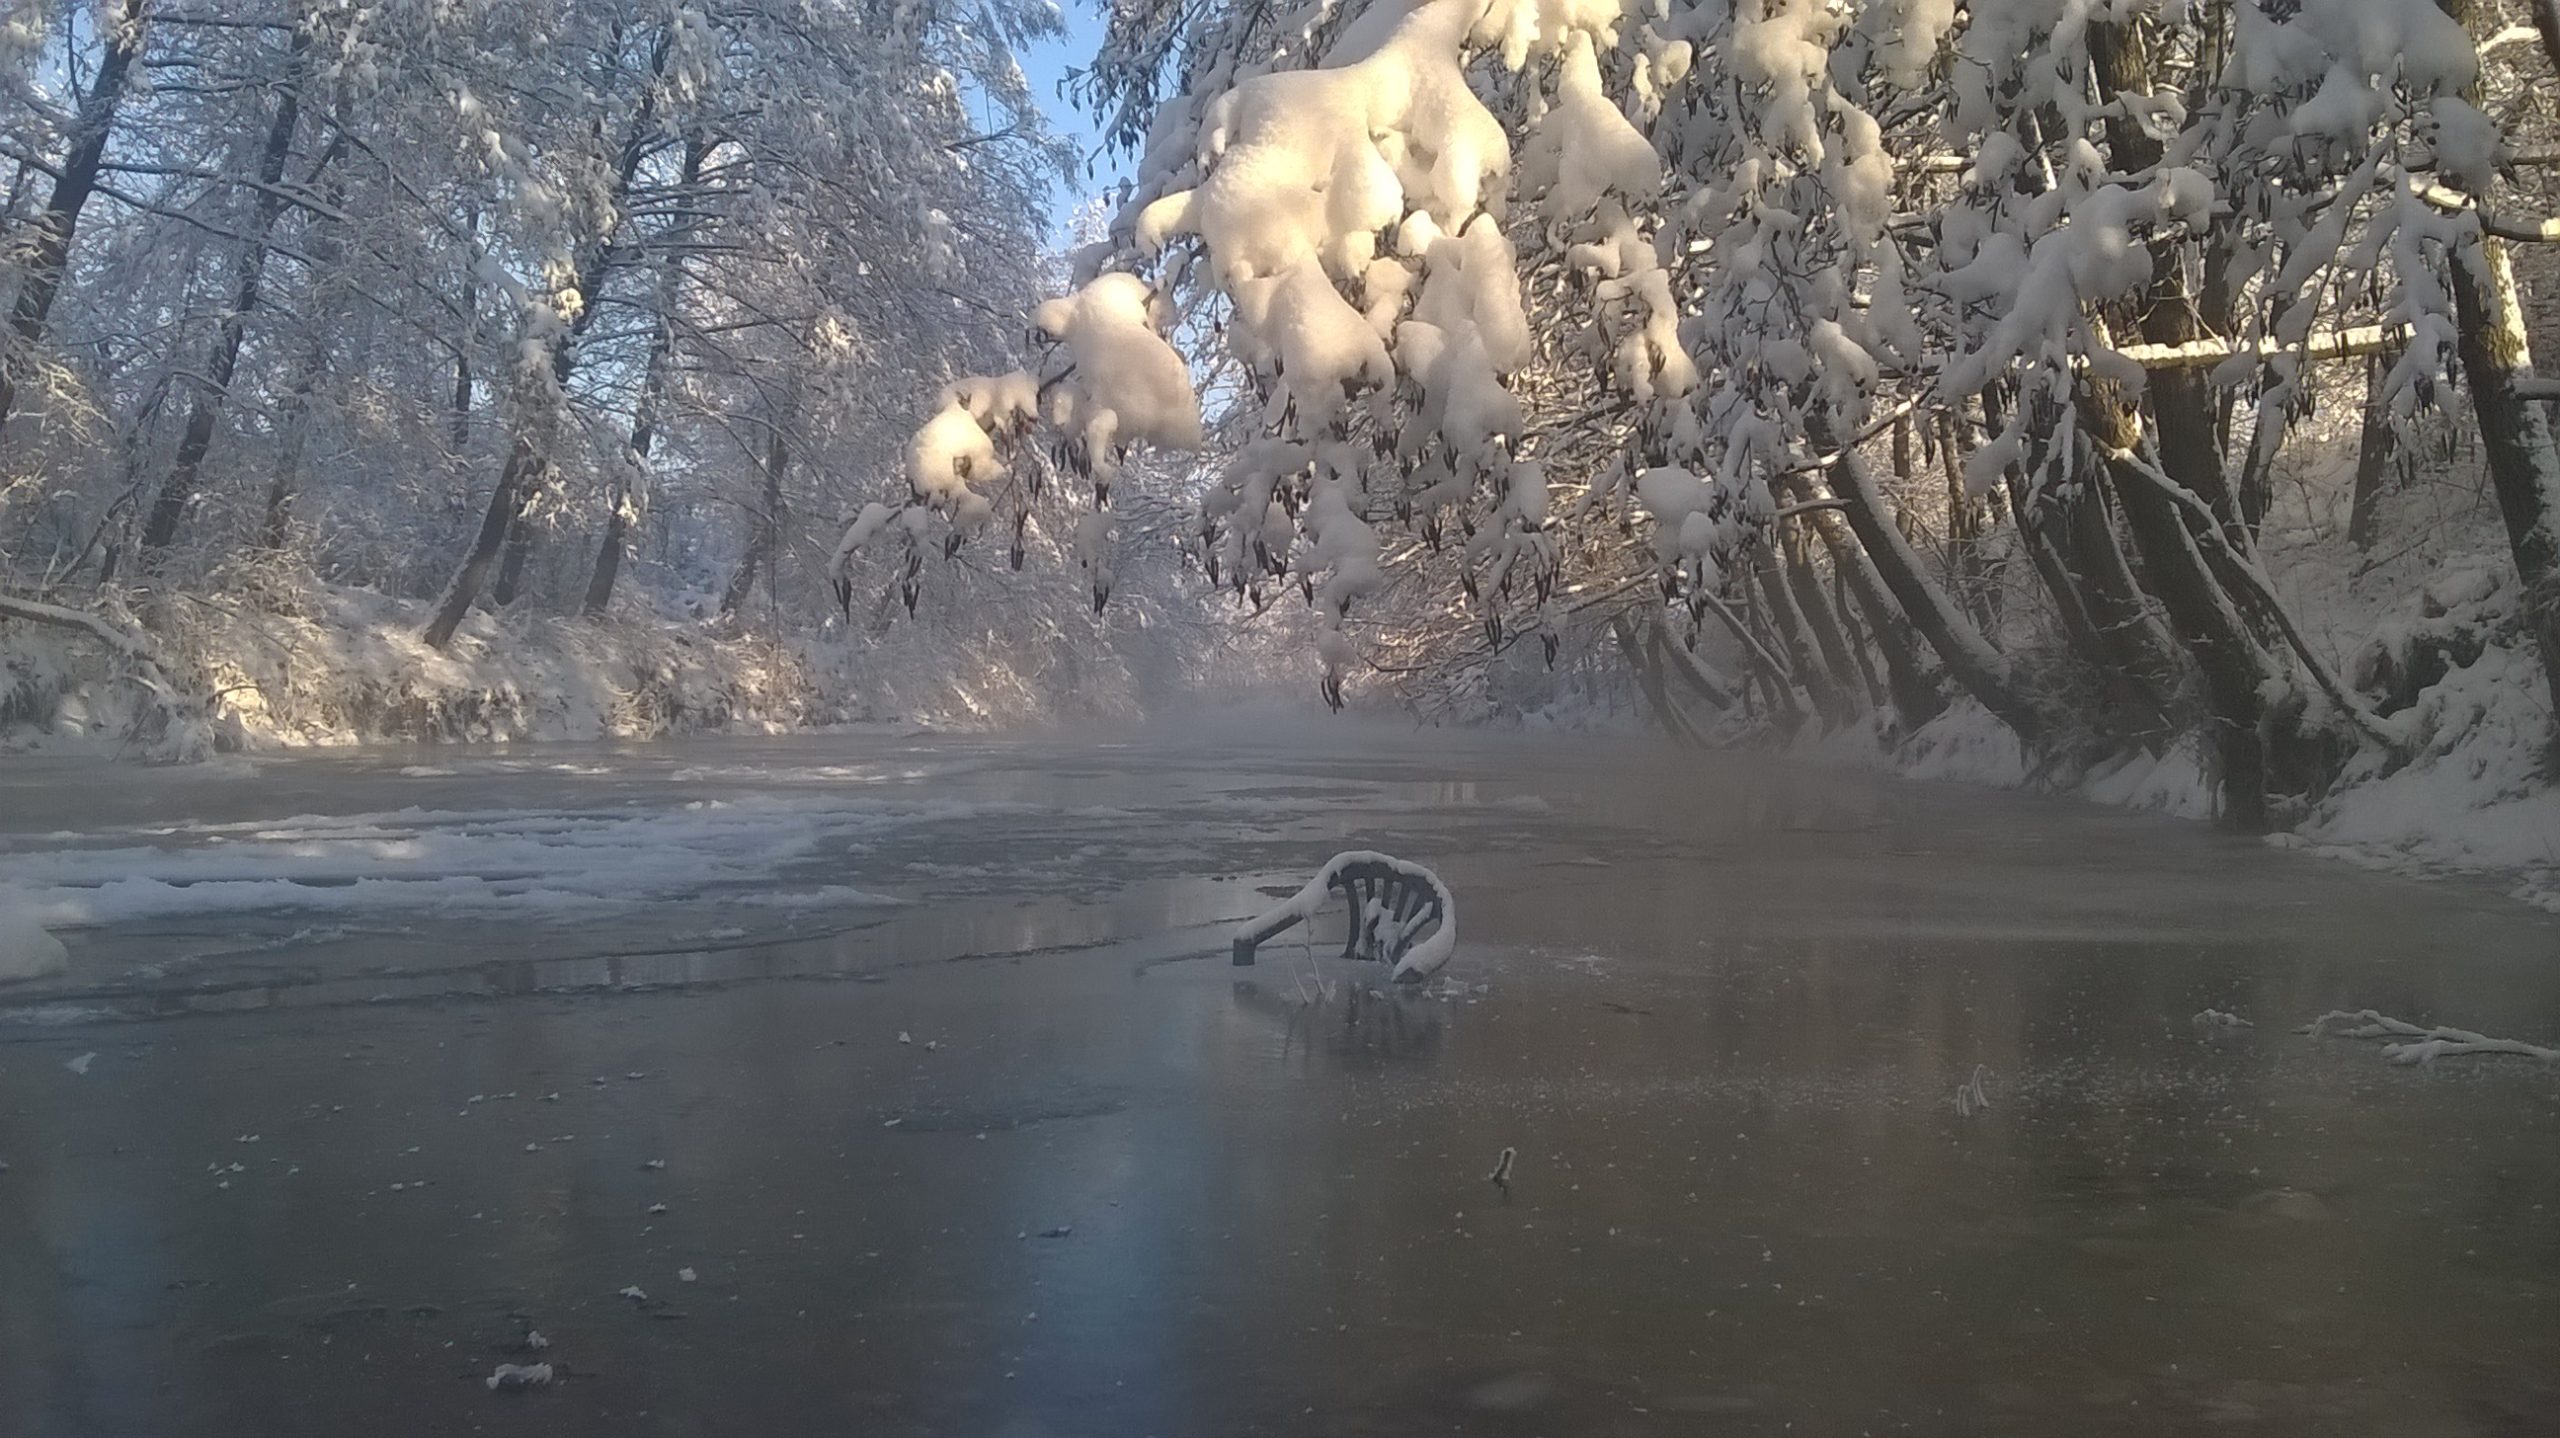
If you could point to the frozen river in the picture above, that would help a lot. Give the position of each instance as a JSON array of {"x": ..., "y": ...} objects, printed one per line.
[{"x": 907, "y": 1081}]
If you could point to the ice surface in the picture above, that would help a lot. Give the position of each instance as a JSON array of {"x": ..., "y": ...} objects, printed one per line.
[{"x": 537, "y": 863}]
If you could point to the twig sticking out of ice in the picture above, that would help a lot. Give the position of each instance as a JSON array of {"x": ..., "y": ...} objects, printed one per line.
[
  {"x": 1501, "y": 1175},
  {"x": 2431, "y": 1043},
  {"x": 514, "y": 1377},
  {"x": 2220, "y": 1019},
  {"x": 1970, "y": 1099}
]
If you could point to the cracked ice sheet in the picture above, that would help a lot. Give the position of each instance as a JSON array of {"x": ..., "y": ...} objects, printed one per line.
[{"x": 530, "y": 863}]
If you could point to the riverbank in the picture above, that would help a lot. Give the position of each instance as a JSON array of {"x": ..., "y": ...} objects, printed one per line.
[{"x": 333, "y": 666}]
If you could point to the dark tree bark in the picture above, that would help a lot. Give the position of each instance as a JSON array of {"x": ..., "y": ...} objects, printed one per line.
[
  {"x": 1788, "y": 629},
  {"x": 644, "y": 436},
  {"x": 764, "y": 548},
  {"x": 48, "y": 243},
  {"x": 2376, "y": 447},
  {"x": 526, "y": 459},
  {"x": 1915, "y": 697},
  {"x": 519, "y": 550},
  {"x": 204, "y": 410},
  {"x": 2238, "y": 672},
  {"x": 277, "y": 526},
  {"x": 462, "y": 377},
  {"x": 644, "y": 417},
  {"x": 1813, "y": 608},
  {"x": 2515, "y": 430},
  {"x": 1967, "y": 655},
  {"x": 2516, "y": 433},
  {"x": 1647, "y": 667}
]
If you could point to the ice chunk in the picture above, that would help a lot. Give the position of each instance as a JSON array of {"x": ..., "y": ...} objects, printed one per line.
[
  {"x": 512, "y": 1377},
  {"x": 27, "y": 951}
]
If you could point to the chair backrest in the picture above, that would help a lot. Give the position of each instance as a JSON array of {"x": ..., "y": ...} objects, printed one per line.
[
  {"x": 1393, "y": 907},
  {"x": 1388, "y": 909}
]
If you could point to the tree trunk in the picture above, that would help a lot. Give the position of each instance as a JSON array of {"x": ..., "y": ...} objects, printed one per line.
[
  {"x": 525, "y": 461},
  {"x": 204, "y": 411},
  {"x": 644, "y": 435},
  {"x": 1915, "y": 698},
  {"x": 2238, "y": 673},
  {"x": 644, "y": 415},
  {"x": 1814, "y": 607},
  {"x": 765, "y": 546},
  {"x": 1968, "y": 656},
  {"x": 1966, "y": 572},
  {"x": 1788, "y": 626},
  {"x": 48, "y": 245},
  {"x": 2235, "y": 670},
  {"x": 277, "y": 527},
  {"x": 504, "y": 504},
  {"x": 1647, "y": 668},
  {"x": 519, "y": 550},
  {"x": 2515, "y": 431},
  {"x": 2376, "y": 447},
  {"x": 462, "y": 378},
  {"x": 1683, "y": 663}
]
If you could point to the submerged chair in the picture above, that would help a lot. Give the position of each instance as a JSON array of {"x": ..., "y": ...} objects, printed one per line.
[{"x": 1401, "y": 914}]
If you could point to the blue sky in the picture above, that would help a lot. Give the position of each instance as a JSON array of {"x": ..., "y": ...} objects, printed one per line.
[{"x": 1046, "y": 64}]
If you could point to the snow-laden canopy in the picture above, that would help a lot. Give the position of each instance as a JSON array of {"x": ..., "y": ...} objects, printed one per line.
[{"x": 1545, "y": 271}]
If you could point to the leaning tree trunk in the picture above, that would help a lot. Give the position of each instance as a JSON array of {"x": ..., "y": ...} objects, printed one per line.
[
  {"x": 1787, "y": 625},
  {"x": 1813, "y": 606},
  {"x": 1977, "y": 667},
  {"x": 1916, "y": 700},
  {"x": 48, "y": 244},
  {"x": 519, "y": 550},
  {"x": 2239, "y": 675},
  {"x": 1647, "y": 668},
  {"x": 644, "y": 436},
  {"x": 504, "y": 504},
  {"x": 2516, "y": 433},
  {"x": 525, "y": 448},
  {"x": 2515, "y": 430},
  {"x": 644, "y": 417},
  {"x": 204, "y": 411}
]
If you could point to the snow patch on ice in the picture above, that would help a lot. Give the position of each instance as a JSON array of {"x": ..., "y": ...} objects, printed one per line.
[{"x": 27, "y": 951}]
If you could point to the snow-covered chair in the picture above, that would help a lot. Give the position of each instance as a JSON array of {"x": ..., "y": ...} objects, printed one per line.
[{"x": 1401, "y": 914}]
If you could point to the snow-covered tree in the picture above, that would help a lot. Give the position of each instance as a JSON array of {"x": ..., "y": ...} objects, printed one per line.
[{"x": 1701, "y": 288}]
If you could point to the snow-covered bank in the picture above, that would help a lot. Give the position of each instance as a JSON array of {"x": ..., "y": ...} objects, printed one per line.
[
  {"x": 2431, "y": 639},
  {"x": 2473, "y": 805},
  {"x": 332, "y": 666}
]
